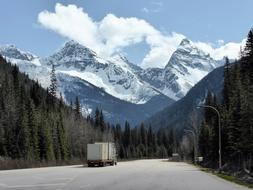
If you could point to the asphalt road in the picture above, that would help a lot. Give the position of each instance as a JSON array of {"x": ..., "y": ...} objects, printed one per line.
[{"x": 133, "y": 175}]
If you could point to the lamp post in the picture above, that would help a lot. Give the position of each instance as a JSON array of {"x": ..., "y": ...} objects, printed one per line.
[{"x": 219, "y": 121}]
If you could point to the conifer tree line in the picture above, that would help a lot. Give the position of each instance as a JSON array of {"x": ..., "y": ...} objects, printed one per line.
[
  {"x": 137, "y": 142},
  {"x": 237, "y": 116},
  {"x": 143, "y": 142},
  {"x": 38, "y": 127}
]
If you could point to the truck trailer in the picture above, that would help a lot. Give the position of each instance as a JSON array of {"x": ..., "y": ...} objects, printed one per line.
[{"x": 101, "y": 154}]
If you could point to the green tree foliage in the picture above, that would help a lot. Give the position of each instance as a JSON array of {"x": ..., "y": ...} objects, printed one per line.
[
  {"x": 53, "y": 84},
  {"x": 237, "y": 115},
  {"x": 204, "y": 140},
  {"x": 35, "y": 130},
  {"x": 36, "y": 126},
  {"x": 143, "y": 142},
  {"x": 77, "y": 108}
]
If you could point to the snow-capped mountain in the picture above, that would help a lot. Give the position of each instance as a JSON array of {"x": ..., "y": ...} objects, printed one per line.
[
  {"x": 122, "y": 89},
  {"x": 114, "y": 76},
  {"x": 186, "y": 67},
  {"x": 13, "y": 52},
  {"x": 27, "y": 63},
  {"x": 110, "y": 85}
]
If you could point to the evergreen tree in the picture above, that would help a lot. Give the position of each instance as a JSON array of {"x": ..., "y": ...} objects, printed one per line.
[
  {"x": 127, "y": 135},
  {"x": 97, "y": 118},
  {"x": 249, "y": 45},
  {"x": 102, "y": 121},
  {"x": 62, "y": 139},
  {"x": 24, "y": 132},
  {"x": 33, "y": 129},
  {"x": 77, "y": 108},
  {"x": 204, "y": 140},
  {"x": 53, "y": 85},
  {"x": 227, "y": 85}
]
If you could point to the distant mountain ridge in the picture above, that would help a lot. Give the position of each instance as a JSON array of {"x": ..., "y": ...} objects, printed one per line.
[
  {"x": 121, "y": 82},
  {"x": 186, "y": 67},
  {"x": 115, "y": 76},
  {"x": 81, "y": 73},
  {"x": 180, "y": 114}
]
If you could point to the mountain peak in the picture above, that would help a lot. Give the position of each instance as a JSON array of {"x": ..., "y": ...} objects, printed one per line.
[
  {"x": 11, "y": 51},
  {"x": 73, "y": 51},
  {"x": 119, "y": 58},
  {"x": 73, "y": 47},
  {"x": 185, "y": 42},
  {"x": 74, "y": 55},
  {"x": 187, "y": 65},
  {"x": 186, "y": 46}
]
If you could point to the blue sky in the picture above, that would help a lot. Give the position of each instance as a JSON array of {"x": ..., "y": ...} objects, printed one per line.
[{"x": 198, "y": 20}]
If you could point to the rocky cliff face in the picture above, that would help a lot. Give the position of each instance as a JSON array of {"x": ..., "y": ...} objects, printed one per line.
[{"x": 186, "y": 67}]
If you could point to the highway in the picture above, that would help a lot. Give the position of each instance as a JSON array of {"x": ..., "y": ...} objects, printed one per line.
[{"x": 132, "y": 175}]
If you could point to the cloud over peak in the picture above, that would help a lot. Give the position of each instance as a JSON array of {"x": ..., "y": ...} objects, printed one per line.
[{"x": 112, "y": 34}]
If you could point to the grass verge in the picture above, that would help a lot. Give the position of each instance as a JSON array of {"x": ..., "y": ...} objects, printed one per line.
[
  {"x": 233, "y": 179},
  {"x": 226, "y": 177}
]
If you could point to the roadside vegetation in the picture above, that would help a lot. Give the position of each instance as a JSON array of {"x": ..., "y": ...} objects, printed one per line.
[
  {"x": 38, "y": 129},
  {"x": 235, "y": 106},
  {"x": 226, "y": 176}
]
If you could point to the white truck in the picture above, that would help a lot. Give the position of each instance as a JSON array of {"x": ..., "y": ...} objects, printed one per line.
[{"x": 101, "y": 154}]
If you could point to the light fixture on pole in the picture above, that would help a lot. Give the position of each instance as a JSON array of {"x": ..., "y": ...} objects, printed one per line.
[{"x": 219, "y": 121}]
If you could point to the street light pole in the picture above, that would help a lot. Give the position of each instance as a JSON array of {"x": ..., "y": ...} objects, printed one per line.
[{"x": 219, "y": 121}]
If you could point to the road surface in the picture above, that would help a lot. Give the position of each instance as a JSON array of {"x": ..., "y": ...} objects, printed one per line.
[{"x": 132, "y": 175}]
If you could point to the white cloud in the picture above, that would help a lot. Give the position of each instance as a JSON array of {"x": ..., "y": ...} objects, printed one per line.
[
  {"x": 72, "y": 22},
  {"x": 220, "y": 42},
  {"x": 162, "y": 47},
  {"x": 110, "y": 35},
  {"x": 230, "y": 49}
]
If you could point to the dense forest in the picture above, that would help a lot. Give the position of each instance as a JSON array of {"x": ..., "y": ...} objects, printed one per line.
[
  {"x": 137, "y": 142},
  {"x": 236, "y": 112},
  {"x": 143, "y": 142},
  {"x": 38, "y": 129}
]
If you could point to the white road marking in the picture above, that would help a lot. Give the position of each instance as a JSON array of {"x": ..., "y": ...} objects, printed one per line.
[
  {"x": 3, "y": 185},
  {"x": 35, "y": 185},
  {"x": 65, "y": 178},
  {"x": 83, "y": 186},
  {"x": 70, "y": 180}
]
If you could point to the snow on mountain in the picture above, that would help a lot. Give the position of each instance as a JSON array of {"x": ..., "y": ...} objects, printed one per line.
[
  {"x": 13, "y": 52},
  {"x": 186, "y": 67},
  {"x": 116, "y": 84},
  {"x": 27, "y": 63},
  {"x": 114, "y": 109},
  {"x": 111, "y": 85},
  {"x": 74, "y": 55},
  {"x": 115, "y": 76}
]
